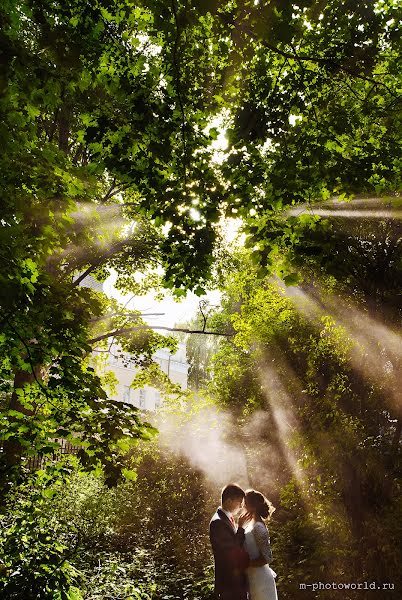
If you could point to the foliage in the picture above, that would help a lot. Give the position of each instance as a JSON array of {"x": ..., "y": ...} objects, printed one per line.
[
  {"x": 317, "y": 116},
  {"x": 35, "y": 546},
  {"x": 322, "y": 435},
  {"x": 109, "y": 162},
  {"x": 81, "y": 539},
  {"x": 107, "y": 130},
  {"x": 94, "y": 162}
]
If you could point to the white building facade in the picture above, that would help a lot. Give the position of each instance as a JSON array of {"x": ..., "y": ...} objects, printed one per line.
[
  {"x": 117, "y": 361},
  {"x": 146, "y": 398}
]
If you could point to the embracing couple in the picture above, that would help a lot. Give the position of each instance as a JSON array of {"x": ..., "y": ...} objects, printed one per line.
[{"x": 242, "y": 552}]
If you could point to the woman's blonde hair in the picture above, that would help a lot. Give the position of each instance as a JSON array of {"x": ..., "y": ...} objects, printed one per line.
[{"x": 262, "y": 506}]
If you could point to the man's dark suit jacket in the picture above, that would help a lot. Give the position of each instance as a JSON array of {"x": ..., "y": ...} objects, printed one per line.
[{"x": 231, "y": 559}]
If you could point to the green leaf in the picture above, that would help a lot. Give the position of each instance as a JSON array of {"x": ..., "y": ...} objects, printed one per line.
[{"x": 292, "y": 279}]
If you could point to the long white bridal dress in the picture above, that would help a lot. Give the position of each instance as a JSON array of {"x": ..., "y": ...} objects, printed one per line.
[{"x": 261, "y": 579}]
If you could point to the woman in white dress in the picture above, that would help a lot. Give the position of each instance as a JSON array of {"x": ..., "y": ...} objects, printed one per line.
[{"x": 261, "y": 577}]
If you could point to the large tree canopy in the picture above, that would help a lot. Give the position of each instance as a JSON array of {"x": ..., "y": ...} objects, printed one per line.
[
  {"x": 111, "y": 159},
  {"x": 107, "y": 102},
  {"x": 104, "y": 141},
  {"x": 318, "y": 115},
  {"x": 108, "y": 114}
]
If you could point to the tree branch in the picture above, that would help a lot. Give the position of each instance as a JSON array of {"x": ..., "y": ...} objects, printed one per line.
[
  {"x": 127, "y": 331},
  {"x": 85, "y": 274},
  {"x": 96, "y": 263},
  {"x": 200, "y": 304},
  {"x": 320, "y": 60},
  {"x": 110, "y": 191}
]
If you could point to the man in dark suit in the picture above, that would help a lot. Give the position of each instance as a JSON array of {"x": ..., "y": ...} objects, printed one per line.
[{"x": 231, "y": 560}]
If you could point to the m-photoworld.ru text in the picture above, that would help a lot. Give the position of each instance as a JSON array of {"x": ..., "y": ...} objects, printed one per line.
[{"x": 364, "y": 585}]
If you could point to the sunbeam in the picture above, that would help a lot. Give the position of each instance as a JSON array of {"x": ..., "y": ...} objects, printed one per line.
[
  {"x": 206, "y": 438},
  {"x": 284, "y": 416},
  {"x": 92, "y": 230},
  {"x": 375, "y": 343},
  {"x": 358, "y": 208}
]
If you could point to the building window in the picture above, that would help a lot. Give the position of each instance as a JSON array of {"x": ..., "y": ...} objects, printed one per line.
[
  {"x": 142, "y": 398},
  {"x": 126, "y": 393},
  {"x": 157, "y": 400}
]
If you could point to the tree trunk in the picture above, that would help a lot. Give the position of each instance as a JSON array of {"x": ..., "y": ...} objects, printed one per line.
[
  {"x": 64, "y": 127},
  {"x": 12, "y": 449}
]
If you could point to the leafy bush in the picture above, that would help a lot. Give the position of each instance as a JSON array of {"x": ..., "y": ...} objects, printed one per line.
[
  {"x": 35, "y": 543},
  {"x": 73, "y": 538}
]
